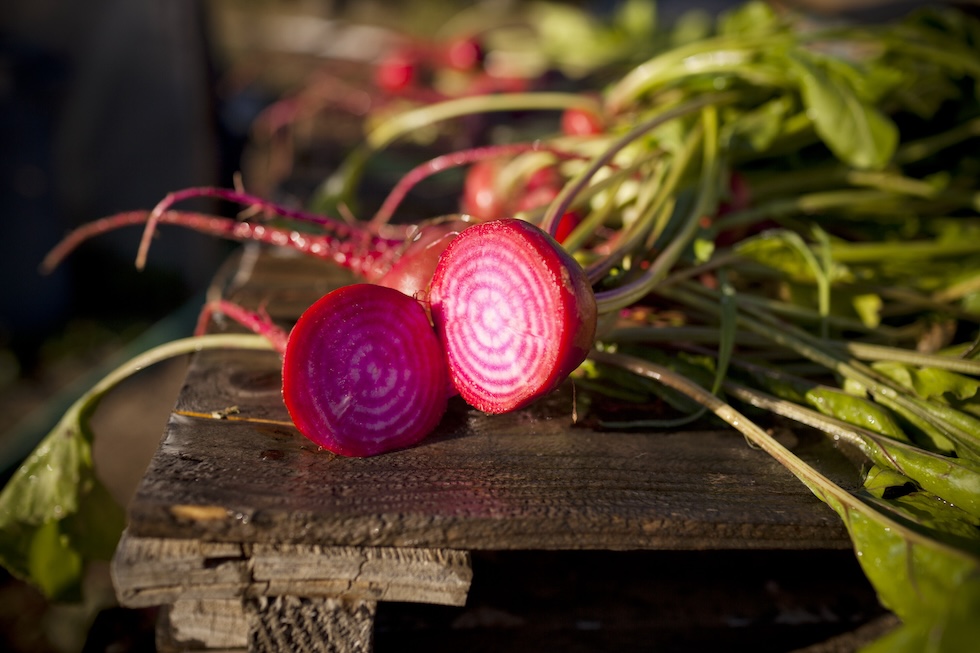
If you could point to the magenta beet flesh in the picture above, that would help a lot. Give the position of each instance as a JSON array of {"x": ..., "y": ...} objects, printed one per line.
[{"x": 363, "y": 372}]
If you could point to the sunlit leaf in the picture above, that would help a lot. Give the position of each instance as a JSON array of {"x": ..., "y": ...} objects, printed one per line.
[
  {"x": 855, "y": 410},
  {"x": 854, "y": 129},
  {"x": 55, "y": 514},
  {"x": 930, "y": 381}
]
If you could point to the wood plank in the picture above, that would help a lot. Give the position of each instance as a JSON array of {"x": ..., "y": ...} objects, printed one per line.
[
  {"x": 382, "y": 574},
  {"x": 156, "y": 571},
  {"x": 525, "y": 480}
]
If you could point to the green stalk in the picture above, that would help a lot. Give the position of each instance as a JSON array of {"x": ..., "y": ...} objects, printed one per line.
[
  {"x": 407, "y": 122},
  {"x": 873, "y": 252},
  {"x": 629, "y": 293},
  {"x": 596, "y": 217},
  {"x": 859, "y": 350},
  {"x": 827, "y": 178},
  {"x": 575, "y": 186},
  {"x": 160, "y": 353},
  {"x": 800, "y": 205},
  {"x": 342, "y": 183},
  {"x": 659, "y": 206},
  {"x": 895, "y": 553},
  {"x": 880, "y": 187},
  {"x": 959, "y": 428},
  {"x": 958, "y": 290},
  {"x": 930, "y": 145},
  {"x": 955, "y": 480},
  {"x": 720, "y": 54},
  {"x": 55, "y": 514},
  {"x": 805, "y": 314}
]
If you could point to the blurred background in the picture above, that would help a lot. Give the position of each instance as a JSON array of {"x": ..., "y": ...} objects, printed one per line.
[{"x": 106, "y": 106}]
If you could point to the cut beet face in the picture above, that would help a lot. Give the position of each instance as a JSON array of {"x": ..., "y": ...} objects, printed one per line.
[
  {"x": 364, "y": 372},
  {"x": 515, "y": 313}
]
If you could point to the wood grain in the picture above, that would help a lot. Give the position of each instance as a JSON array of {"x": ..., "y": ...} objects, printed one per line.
[
  {"x": 157, "y": 571},
  {"x": 526, "y": 480},
  {"x": 304, "y": 625}
]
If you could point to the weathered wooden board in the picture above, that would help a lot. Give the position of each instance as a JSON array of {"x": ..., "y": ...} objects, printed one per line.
[
  {"x": 156, "y": 571},
  {"x": 241, "y": 523}
]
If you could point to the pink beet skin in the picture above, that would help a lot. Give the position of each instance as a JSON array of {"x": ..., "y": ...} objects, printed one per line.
[
  {"x": 514, "y": 311},
  {"x": 412, "y": 271}
]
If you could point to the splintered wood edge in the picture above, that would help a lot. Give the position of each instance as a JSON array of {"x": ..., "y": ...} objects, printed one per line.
[{"x": 149, "y": 571}]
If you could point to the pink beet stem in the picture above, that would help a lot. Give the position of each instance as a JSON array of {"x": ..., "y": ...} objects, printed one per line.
[
  {"x": 232, "y": 196},
  {"x": 368, "y": 256},
  {"x": 258, "y": 322},
  {"x": 325, "y": 91},
  {"x": 453, "y": 160}
]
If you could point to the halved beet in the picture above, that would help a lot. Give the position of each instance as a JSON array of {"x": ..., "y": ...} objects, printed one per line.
[
  {"x": 364, "y": 372},
  {"x": 514, "y": 311}
]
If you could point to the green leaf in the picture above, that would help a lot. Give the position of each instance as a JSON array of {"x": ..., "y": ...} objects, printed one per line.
[
  {"x": 930, "y": 381},
  {"x": 854, "y": 410},
  {"x": 54, "y": 512},
  {"x": 955, "y": 631},
  {"x": 916, "y": 575},
  {"x": 55, "y": 515},
  {"x": 887, "y": 483},
  {"x": 785, "y": 251},
  {"x": 971, "y": 303},
  {"x": 691, "y": 26},
  {"x": 956, "y": 480},
  {"x": 855, "y": 131},
  {"x": 868, "y": 307},
  {"x": 944, "y": 521},
  {"x": 637, "y": 18},
  {"x": 53, "y": 564},
  {"x": 49, "y": 486},
  {"x": 572, "y": 39},
  {"x": 703, "y": 249},
  {"x": 757, "y": 130},
  {"x": 896, "y": 559}
]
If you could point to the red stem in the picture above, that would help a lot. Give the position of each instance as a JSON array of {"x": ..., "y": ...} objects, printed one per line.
[
  {"x": 453, "y": 160},
  {"x": 325, "y": 91},
  {"x": 237, "y": 197},
  {"x": 257, "y": 322},
  {"x": 367, "y": 255}
]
